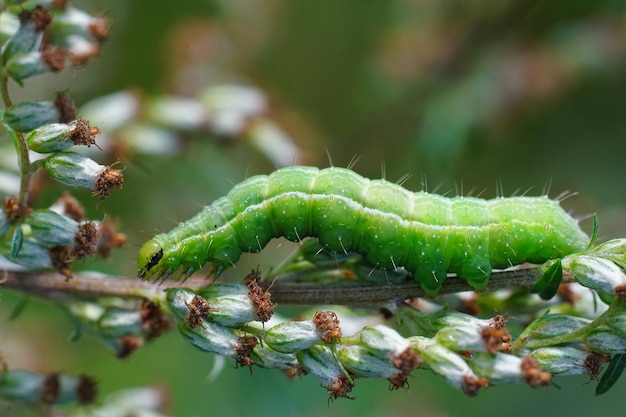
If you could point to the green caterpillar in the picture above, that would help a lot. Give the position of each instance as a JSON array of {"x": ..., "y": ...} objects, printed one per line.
[{"x": 427, "y": 234}]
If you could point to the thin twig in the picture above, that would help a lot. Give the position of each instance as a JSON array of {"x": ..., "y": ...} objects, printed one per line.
[{"x": 56, "y": 286}]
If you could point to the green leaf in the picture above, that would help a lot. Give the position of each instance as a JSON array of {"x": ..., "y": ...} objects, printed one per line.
[
  {"x": 594, "y": 233},
  {"x": 612, "y": 373},
  {"x": 548, "y": 284}
]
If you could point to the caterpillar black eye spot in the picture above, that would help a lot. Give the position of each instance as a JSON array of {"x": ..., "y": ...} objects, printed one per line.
[{"x": 154, "y": 260}]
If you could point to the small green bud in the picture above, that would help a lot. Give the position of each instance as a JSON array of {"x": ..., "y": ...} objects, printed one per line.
[
  {"x": 72, "y": 22},
  {"x": 30, "y": 255},
  {"x": 9, "y": 25},
  {"x": 177, "y": 113},
  {"x": 321, "y": 362},
  {"x": 499, "y": 369},
  {"x": 117, "y": 323},
  {"x": 229, "y": 108},
  {"x": 50, "y": 138},
  {"x": 447, "y": 364},
  {"x": 51, "y": 229},
  {"x": 232, "y": 310},
  {"x": 29, "y": 115},
  {"x": 617, "y": 323},
  {"x": 273, "y": 142},
  {"x": 595, "y": 272},
  {"x": 563, "y": 360},
  {"x": 5, "y": 223},
  {"x": 551, "y": 325},
  {"x": 605, "y": 341},
  {"x": 212, "y": 338},
  {"x": 382, "y": 341},
  {"x": 362, "y": 362},
  {"x": 74, "y": 169},
  {"x": 266, "y": 357},
  {"x": 113, "y": 111},
  {"x": 292, "y": 336},
  {"x": 613, "y": 250}
]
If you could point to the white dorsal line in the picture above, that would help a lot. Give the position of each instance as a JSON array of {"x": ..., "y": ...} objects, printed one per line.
[{"x": 355, "y": 159}]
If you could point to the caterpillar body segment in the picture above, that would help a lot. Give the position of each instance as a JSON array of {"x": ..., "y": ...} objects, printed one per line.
[{"x": 427, "y": 234}]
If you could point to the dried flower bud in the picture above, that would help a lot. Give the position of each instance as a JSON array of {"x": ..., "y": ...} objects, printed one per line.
[
  {"x": 28, "y": 64},
  {"x": 59, "y": 136},
  {"x": 74, "y": 169},
  {"x": 29, "y": 36},
  {"x": 321, "y": 362},
  {"x": 29, "y": 387}
]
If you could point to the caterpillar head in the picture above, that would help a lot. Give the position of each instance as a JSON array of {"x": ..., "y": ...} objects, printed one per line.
[{"x": 150, "y": 259}]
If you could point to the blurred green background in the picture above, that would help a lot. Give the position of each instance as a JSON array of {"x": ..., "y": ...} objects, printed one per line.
[{"x": 467, "y": 94}]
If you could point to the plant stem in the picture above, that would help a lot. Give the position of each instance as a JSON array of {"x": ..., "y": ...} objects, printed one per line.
[
  {"x": 20, "y": 146},
  {"x": 55, "y": 286}
]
